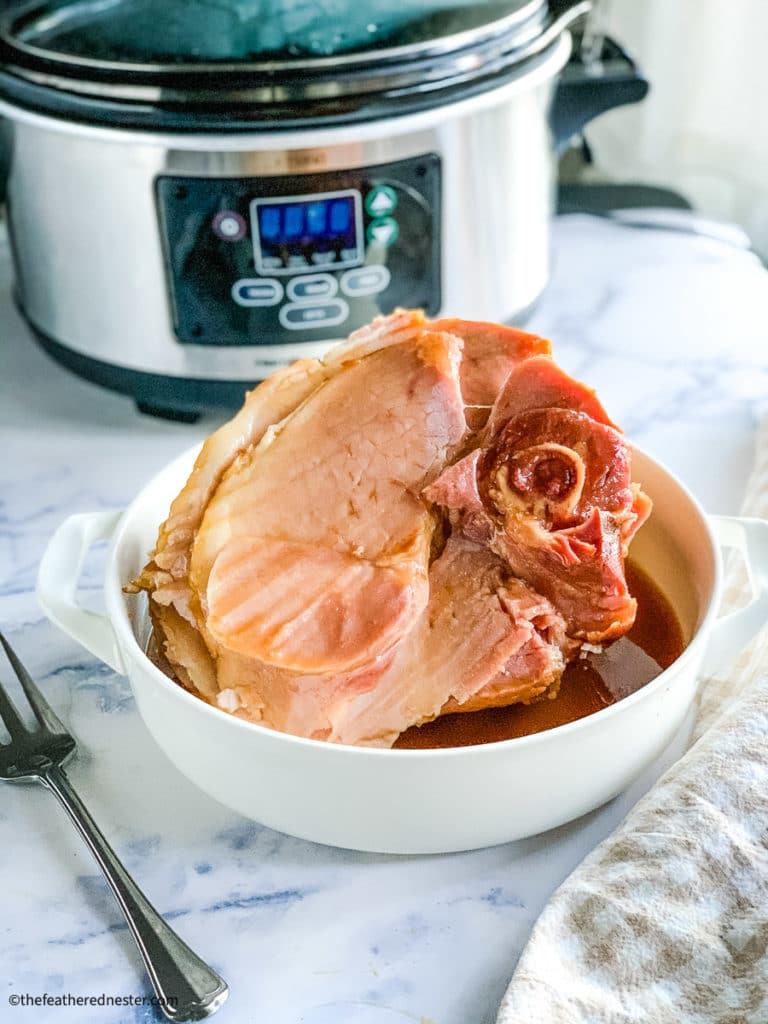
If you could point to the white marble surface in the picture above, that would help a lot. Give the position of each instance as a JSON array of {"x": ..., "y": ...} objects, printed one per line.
[{"x": 673, "y": 331}]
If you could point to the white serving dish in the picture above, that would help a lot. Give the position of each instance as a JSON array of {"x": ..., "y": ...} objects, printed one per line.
[{"x": 415, "y": 801}]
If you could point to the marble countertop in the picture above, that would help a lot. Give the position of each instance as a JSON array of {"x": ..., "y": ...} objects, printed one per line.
[{"x": 672, "y": 329}]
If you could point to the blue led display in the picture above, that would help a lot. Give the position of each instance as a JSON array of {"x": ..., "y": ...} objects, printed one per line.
[
  {"x": 341, "y": 216},
  {"x": 293, "y": 222},
  {"x": 325, "y": 223},
  {"x": 317, "y": 218},
  {"x": 269, "y": 223}
]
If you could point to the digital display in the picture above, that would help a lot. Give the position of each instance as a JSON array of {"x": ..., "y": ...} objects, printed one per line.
[{"x": 295, "y": 233}]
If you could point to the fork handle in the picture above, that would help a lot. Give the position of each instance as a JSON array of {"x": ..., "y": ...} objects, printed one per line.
[{"x": 188, "y": 989}]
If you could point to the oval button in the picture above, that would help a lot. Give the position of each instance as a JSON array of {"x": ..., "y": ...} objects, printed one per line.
[
  {"x": 365, "y": 280},
  {"x": 303, "y": 317},
  {"x": 257, "y": 291},
  {"x": 312, "y": 286}
]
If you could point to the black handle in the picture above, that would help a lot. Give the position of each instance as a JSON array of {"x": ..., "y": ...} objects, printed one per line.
[{"x": 586, "y": 90}]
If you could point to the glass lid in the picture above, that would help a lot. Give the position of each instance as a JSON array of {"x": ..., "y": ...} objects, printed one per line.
[{"x": 152, "y": 34}]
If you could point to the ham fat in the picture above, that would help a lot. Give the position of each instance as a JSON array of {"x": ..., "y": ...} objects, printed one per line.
[{"x": 430, "y": 520}]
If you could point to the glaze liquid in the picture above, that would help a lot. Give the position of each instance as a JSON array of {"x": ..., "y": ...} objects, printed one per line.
[{"x": 588, "y": 684}]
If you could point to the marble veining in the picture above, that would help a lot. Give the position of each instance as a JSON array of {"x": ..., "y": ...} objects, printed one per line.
[{"x": 672, "y": 329}]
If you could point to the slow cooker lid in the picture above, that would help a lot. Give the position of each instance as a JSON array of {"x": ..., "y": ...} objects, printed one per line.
[
  {"x": 241, "y": 65},
  {"x": 291, "y": 34}
]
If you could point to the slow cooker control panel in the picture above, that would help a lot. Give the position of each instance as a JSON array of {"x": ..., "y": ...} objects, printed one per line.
[{"x": 280, "y": 260}]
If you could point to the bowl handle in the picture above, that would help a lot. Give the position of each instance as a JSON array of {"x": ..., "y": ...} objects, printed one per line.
[
  {"x": 733, "y": 632},
  {"x": 58, "y": 578}
]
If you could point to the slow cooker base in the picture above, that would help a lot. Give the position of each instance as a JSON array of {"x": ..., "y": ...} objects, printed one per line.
[
  {"x": 173, "y": 398},
  {"x": 181, "y": 399}
]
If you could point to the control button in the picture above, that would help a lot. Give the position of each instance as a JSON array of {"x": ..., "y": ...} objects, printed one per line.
[
  {"x": 349, "y": 255},
  {"x": 381, "y": 200},
  {"x": 312, "y": 286},
  {"x": 229, "y": 226},
  {"x": 322, "y": 259},
  {"x": 296, "y": 261},
  {"x": 384, "y": 231},
  {"x": 365, "y": 280},
  {"x": 257, "y": 291},
  {"x": 305, "y": 318}
]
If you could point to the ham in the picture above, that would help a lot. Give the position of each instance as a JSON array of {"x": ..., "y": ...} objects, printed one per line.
[
  {"x": 313, "y": 554},
  {"x": 539, "y": 383},
  {"x": 549, "y": 490},
  {"x": 485, "y": 639},
  {"x": 430, "y": 520},
  {"x": 265, "y": 406},
  {"x": 177, "y": 617},
  {"x": 491, "y": 352}
]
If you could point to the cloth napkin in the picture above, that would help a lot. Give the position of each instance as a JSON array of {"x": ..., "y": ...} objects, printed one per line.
[{"x": 666, "y": 922}]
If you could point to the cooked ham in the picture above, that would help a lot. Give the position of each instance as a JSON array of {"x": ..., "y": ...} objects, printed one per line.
[
  {"x": 485, "y": 639},
  {"x": 268, "y": 404},
  {"x": 314, "y": 551},
  {"x": 491, "y": 352},
  {"x": 549, "y": 490},
  {"x": 539, "y": 383},
  {"x": 177, "y": 617},
  {"x": 431, "y": 519},
  {"x": 296, "y": 703}
]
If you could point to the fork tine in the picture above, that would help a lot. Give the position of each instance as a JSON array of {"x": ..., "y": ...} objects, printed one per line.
[
  {"x": 44, "y": 713},
  {"x": 10, "y": 716}
]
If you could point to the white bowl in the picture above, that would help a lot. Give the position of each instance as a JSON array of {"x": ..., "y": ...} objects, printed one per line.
[{"x": 414, "y": 801}]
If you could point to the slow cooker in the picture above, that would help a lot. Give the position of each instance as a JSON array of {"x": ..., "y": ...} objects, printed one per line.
[{"x": 198, "y": 194}]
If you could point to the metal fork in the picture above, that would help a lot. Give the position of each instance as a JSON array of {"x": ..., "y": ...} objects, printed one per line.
[{"x": 188, "y": 989}]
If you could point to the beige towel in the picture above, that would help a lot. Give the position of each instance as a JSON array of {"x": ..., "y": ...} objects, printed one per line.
[{"x": 666, "y": 922}]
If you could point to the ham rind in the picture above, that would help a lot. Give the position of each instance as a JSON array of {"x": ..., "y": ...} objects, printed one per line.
[
  {"x": 539, "y": 383},
  {"x": 334, "y": 490},
  {"x": 479, "y": 629},
  {"x": 491, "y": 352}
]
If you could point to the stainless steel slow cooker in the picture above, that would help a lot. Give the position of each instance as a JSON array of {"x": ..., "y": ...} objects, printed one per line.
[{"x": 198, "y": 194}]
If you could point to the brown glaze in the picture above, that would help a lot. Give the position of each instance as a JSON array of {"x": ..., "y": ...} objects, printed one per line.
[{"x": 588, "y": 685}]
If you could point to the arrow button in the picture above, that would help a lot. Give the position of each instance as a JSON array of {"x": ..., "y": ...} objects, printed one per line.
[
  {"x": 381, "y": 201},
  {"x": 383, "y": 231}
]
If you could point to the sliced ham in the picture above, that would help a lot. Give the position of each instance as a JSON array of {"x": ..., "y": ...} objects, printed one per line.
[
  {"x": 313, "y": 553},
  {"x": 265, "y": 406},
  {"x": 299, "y": 704},
  {"x": 491, "y": 351},
  {"x": 166, "y": 575},
  {"x": 483, "y": 640}
]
